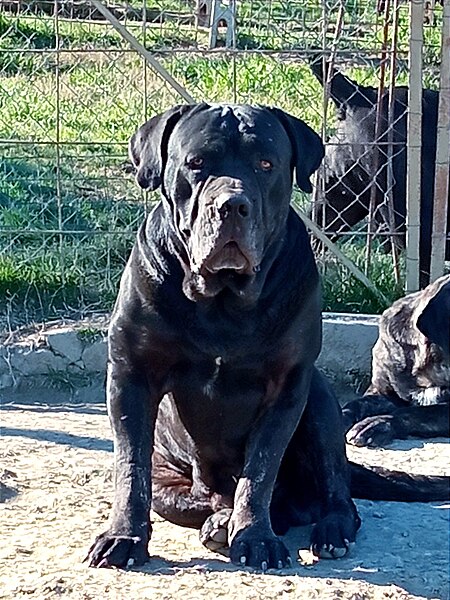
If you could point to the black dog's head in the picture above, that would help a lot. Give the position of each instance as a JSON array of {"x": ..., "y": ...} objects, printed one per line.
[{"x": 226, "y": 172}]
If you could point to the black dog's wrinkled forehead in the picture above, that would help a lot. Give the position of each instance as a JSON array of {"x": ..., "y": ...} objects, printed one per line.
[
  {"x": 224, "y": 124},
  {"x": 226, "y": 130}
]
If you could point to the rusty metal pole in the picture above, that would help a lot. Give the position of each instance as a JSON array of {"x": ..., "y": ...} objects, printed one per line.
[
  {"x": 327, "y": 68},
  {"x": 390, "y": 147},
  {"x": 414, "y": 146},
  {"x": 441, "y": 186}
]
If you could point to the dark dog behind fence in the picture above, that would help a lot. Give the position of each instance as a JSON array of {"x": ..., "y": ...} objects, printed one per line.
[{"x": 352, "y": 167}]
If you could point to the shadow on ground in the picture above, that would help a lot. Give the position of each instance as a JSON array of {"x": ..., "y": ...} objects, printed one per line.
[{"x": 61, "y": 437}]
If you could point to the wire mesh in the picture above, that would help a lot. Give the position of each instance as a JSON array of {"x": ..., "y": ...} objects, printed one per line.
[{"x": 72, "y": 92}]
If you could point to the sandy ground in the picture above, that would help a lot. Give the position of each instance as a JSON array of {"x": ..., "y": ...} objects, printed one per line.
[{"x": 57, "y": 490}]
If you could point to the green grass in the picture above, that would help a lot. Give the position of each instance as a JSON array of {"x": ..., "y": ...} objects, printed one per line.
[
  {"x": 345, "y": 293},
  {"x": 36, "y": 281},
  {"x": 91, "y": 97},
  {"x": 77, "y": 278}
]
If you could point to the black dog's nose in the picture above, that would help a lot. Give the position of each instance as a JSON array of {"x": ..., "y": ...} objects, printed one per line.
[{"x": 236, "y": 205}]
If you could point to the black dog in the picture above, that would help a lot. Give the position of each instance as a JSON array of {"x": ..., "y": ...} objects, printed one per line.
[
  {"x": 352, "y": 169},
  {"x": 212, "y": 347},
  {"x": 410, "y": 390}
]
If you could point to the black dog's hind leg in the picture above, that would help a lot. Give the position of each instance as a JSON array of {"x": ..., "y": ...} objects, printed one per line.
[
  {"x": 317, "y": 467},
  {"x": 177, "y": 499}
]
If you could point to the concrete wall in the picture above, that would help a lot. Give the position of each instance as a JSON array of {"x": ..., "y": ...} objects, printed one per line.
[
  {"x": 69, "y": 362},
  {"x": 346, "y": 355}
]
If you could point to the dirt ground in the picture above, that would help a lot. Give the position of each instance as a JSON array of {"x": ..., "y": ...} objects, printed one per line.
[{"x": 57, "y": 492}]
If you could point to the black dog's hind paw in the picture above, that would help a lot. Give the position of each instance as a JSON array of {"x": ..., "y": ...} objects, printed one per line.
[
  {"x": 119, "y": 551},
  {"x": 214, "y": 532},
  {"x": 372, "y": 431},
  {"x": 334, "y": 535}
]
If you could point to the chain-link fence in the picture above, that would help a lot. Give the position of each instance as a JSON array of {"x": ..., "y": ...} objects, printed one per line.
[{"x": 76, "y": 82}]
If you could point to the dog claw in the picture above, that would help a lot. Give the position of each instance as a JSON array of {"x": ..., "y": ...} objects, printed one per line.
[
  {"x": 348, "y": 544},
  {"x": 243, "y": 560},
  {"x": 280, "y": 564},
  {"x": 339, "y": 552},
  {"x": 103, "y": 564},
  {"x": 264, "y": 565}
]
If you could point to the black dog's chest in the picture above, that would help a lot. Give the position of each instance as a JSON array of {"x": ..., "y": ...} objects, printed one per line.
[{"x": 217, "y": 401}]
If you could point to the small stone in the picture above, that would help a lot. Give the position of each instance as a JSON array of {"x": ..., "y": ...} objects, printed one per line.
[{"x": 307, "y": 558}]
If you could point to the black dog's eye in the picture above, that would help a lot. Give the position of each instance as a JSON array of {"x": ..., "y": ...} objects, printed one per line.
[
  {"x": 196, "y": 163},
  {"x": 265, "y": 165}
]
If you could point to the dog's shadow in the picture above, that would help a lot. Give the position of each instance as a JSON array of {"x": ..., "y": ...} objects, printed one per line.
[
  {"x": 158, "y": 565},
  {"x": 415, "y": 443},
  {"x": 162, "y": 566}
]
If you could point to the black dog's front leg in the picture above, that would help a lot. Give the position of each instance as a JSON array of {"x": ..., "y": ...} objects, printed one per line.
[
  {"x": 132, "y": 414},
  {"x": 251, "y": 537}
]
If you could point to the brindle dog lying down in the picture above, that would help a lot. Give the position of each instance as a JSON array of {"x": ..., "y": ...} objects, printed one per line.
[
  {"x": 220, "y": 419},
  {"x": 410, "y": 390}
]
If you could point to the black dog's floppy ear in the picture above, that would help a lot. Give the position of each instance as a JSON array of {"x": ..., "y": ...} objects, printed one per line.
[
  {"x": 307, "y": 147},
  {"x": 147, "y": 147},
  {"x": 434, "y": 320}
]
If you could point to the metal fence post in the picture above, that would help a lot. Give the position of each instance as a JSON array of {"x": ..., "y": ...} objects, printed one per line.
[{"x": 414, "y": 146}]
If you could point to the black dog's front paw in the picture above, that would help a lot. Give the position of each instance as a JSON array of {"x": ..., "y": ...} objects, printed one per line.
[
  {"x": 259, "y": 549},
  {"x": 120, "y": 551},
  {"x": 372, "y": 431}
]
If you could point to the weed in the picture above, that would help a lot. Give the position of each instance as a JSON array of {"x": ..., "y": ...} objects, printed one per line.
[
  {"x": 90, "y": 335},
  {"x": 67, "y": 380},
  {"x": 342, "y": 292}
]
